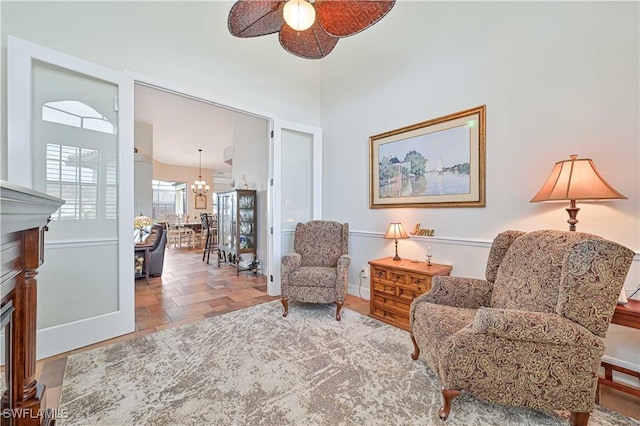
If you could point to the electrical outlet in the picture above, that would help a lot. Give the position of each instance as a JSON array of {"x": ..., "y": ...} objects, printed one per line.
[{"x": 364, "y": 272}]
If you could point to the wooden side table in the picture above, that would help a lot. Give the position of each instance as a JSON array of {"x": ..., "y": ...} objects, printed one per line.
[
  {"x": 145, "y": 267},
  {"x": 394, "y": 285},
  {"x": 627, "y": 315}
]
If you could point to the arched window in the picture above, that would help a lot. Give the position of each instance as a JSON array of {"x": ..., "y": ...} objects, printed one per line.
[{"x": 76, "y": 114}]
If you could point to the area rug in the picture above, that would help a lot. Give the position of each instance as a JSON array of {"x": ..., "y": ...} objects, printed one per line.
[{"x": 253, "y": 366}]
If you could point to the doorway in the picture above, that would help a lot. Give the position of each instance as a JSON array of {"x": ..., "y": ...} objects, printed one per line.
[{"x": 170, "y": 128}]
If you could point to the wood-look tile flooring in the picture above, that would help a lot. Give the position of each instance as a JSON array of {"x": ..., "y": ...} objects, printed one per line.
[{"x": 190, "y": 290}]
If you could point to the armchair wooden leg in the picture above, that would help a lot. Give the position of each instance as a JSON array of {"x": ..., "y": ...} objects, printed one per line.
[
  {"x": 285, "y": 303},
  {"x": 416, "y": 348},
  {"x": 339, "y": 304},
  {"x": 447, "y": 395},
  {"x": 579, "y": 419}
]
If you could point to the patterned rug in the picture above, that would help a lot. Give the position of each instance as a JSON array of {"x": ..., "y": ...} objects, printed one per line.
[{"x": 255, "y": 367}]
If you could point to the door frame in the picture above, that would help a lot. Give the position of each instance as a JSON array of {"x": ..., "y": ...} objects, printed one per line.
[
  {"x": 272, "y": 271},
  {"x": 273, "y": 279},
  {"x": 20, "y": 54}
]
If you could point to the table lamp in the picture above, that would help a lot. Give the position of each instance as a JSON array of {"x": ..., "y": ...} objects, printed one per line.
[
  {"x": 140, "y": 222},
  {"x": 572, "y": 180},
  {"x": 395, "y": 232}
]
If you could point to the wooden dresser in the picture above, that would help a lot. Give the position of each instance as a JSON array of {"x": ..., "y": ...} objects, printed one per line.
[
  {"x": 24, "y": 215},
  {"x": 394, "y": 285}
]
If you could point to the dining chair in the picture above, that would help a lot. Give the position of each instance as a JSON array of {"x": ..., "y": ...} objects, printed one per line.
[
  {"x": 209, "y": 231},
  {"x": 177, "y": 234}
]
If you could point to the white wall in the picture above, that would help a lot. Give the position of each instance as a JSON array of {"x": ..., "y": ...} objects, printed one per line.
[
  {"x": 553, "y": 86},
  {"x": 251, "y": 161},
  {"x": 143, "y": 169},
  {"x": 557, "y": 79},
  {"x": 172, "y": 173}
]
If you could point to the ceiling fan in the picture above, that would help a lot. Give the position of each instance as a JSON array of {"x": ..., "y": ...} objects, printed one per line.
[{"x": 309, "y": 29}]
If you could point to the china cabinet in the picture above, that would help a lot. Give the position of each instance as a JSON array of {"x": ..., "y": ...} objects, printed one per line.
[{"x": 237, "y": 236}]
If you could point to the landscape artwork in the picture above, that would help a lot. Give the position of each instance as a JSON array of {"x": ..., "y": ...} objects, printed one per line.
[
  {"x": 433, "y": 164},
  {"x": 437, "y": 163}
]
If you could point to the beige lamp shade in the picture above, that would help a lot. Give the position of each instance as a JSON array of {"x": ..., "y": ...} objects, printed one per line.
[
  {"x": 396, "y": 232},
  {"x": 575, "y": 179}
]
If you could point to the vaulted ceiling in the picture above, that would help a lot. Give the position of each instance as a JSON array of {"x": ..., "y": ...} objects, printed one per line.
[{"x": 182, "y": 125}]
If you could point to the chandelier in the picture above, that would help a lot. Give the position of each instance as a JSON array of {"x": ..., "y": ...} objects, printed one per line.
[
  {"x": 200, "y": 187},
  {"x": 309, "y": 29}
]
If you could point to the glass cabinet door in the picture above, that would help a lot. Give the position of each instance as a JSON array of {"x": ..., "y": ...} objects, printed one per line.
[
  {"x": 246, "y": 217},
  {"x": 237, "y": 233},
  {"x": 226, "y": 221}
]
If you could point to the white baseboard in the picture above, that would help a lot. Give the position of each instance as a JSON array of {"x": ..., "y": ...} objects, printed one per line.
[{"x": 355, "y": 289}]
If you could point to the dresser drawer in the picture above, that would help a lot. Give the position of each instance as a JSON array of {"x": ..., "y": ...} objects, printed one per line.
[
  {"x": 391, "y": 304},
  {"x": 377, "y": 272},
  {"x": 384, "y": 287},
  {"x": 421, "y": 282},
  {"x": 400, "y": 321},
  {"x": 408, "y": 293},
  {"x": 390, "y": 275}
]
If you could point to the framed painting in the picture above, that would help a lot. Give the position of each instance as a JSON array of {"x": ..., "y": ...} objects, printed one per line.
[
  {"x": 436, "y": 163},
  {"x": 201, "y": 201}
]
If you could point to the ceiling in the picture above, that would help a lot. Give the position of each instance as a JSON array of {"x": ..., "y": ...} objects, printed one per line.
[{"x": 182, "y": 125}]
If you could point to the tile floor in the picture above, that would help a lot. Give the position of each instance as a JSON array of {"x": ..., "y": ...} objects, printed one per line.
[{"x": 190, "y": 290}]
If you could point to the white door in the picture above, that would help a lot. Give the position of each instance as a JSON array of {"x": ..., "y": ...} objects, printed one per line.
[
  {"x": 296, "y": 189},
  {"x": 70, "y": 134}
]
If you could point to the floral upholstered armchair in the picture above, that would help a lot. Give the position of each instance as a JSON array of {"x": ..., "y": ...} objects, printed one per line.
[
  {"x": 530, "y": 334},
  {"x": 318, "y": 270}
]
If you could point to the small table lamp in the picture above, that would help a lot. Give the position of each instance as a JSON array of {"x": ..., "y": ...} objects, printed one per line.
[
  {"x": 396, "y": 231},
  {"x": 575, "y": 179},
  {"x": 140, "y": 222}
]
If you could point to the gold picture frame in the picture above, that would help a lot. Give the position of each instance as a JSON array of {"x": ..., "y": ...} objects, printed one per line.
[
  {"x": 201, "y": 201},
  {"x": 436, "y": 163}
]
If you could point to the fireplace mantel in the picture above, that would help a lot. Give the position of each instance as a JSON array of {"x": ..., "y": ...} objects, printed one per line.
[{"x": 24, "y": 215}]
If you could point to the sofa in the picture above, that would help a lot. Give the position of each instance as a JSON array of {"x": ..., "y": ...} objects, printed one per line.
[{"x": 156, "y": 237}]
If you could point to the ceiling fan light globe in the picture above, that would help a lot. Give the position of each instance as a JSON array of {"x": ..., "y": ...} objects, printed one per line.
[{"x": 299, "y": 14}]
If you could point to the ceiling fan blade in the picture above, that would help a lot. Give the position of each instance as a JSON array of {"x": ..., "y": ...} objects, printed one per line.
[
  {"x": 253, "y": 18},
  {"x": 313, "y": 43},
  {"x": 342, "y": 18}
]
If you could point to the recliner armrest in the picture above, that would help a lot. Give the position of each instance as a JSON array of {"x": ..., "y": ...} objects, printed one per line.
[
  {"x": 539, "y": 327},
  {"x": 290, "y": 262},
  {"x": 459, "y": 292},
  {"x": 344, "y": 261}
]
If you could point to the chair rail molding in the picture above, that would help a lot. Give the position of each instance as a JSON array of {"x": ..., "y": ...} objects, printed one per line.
[{"x": 444, "y": 240}]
